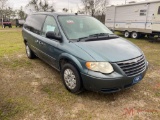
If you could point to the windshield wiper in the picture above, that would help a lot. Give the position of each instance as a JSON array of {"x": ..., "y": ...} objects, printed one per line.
[
  {"x": 99, "y": 36},
  {"x": 93, "y": 37},
  {"x": 83, "y": 38}
]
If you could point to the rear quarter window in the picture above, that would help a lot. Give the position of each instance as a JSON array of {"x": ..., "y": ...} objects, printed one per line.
[{"x": 34, "y": 23}]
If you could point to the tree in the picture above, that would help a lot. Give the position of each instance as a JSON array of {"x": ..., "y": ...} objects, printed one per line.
[
  {"x": 40, "y": 5},
  {"x": 65, "y": 9},
  {"x": 7, "y": 12},
  {"x": 21, "y": 13},
  {"x": 89, "y": 6},
  {"x": 94, "y": 6},
  {"x": 3, "y": 4}
]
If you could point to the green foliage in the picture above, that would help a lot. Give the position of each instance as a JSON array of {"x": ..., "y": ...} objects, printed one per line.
[
  {"x": 40, "y": 5},
  {"x": 21, "y": 13}
]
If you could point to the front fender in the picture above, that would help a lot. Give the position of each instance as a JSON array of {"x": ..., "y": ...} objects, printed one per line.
[{"x": 77, "y": 61}]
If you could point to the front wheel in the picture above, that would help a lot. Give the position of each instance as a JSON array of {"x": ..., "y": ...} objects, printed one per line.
[{"x": 71, "y": 78}]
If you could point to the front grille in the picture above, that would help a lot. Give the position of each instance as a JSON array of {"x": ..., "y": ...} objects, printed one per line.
[{"x": 134, "y": 66}]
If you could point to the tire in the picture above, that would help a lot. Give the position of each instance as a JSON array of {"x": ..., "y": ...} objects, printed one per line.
[
  {"x": 74, "y": 84},
  {"x": 135, "y": 35},
  {"x": 29, "y": 52},
  {"x": 126, "y": 34}
]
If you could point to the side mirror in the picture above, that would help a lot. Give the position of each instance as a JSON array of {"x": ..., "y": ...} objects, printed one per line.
[{"x": 52, "y": 35}]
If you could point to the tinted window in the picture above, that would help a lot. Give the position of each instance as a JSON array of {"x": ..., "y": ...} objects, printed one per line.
[
  {"x": 50, "y": 25},
  {"x": 159, "y": 10},
  {"x": 34, "y": 23}
]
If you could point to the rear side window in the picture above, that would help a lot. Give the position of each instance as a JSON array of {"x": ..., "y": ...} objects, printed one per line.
[
  {"x": 159, "y": 10},
  {"x": 34, "y": 23}
]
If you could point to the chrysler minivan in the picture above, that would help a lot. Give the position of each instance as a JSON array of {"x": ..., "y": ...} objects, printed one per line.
[{"x": 87, "y": 54}]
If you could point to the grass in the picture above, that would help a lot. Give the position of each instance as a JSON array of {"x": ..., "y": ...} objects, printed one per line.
[
  {"x": 10, "y": 41},
  {"x": 11, "y": 107},
  {"x": 32, "y": 90}
]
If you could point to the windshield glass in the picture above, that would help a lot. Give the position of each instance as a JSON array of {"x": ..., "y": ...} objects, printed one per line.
[{"x": 76, "y": 27}]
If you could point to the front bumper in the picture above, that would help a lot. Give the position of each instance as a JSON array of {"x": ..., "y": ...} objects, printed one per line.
[{"x": 108, "y": 83}]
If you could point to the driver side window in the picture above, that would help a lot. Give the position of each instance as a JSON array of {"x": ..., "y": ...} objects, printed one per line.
[{"x": 50, "y": 25}]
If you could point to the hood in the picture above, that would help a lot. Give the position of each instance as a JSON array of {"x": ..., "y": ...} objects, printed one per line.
[{"x": 112, "y": 50}]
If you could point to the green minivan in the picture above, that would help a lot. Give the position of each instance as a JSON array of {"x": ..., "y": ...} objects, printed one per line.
[{"x": 87, "y": 54}]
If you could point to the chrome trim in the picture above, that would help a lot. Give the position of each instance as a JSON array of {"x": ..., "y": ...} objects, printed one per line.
[
  {"x": 134, "y": 60},
  {"x": 70, "y": 78},
  {"x": 133, "y": 67}
]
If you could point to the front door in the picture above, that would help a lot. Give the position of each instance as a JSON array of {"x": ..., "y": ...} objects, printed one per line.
[{"x": 46, "y": 45}]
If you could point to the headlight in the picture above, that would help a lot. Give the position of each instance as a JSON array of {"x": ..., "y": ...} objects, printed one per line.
[{"x": 103, "y": 67}]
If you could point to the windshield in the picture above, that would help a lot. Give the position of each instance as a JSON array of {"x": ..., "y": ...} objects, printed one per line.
[{"x": 76, "y": 27}]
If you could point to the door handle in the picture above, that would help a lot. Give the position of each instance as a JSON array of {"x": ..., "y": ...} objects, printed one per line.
[
  {"x": 36, "y": 41},
  {"x": 41, "y": 43}
]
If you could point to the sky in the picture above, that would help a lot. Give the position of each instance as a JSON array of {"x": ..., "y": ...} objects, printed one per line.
[{"x": 60, "y": 4}]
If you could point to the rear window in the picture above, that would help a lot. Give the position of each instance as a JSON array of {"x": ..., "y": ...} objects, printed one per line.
[{"x": 34, "y": 23}]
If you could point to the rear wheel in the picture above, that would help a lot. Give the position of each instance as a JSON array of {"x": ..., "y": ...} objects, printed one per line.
[
  {"x": 71, "y": 78},
  {"x": 29, "y": 52},
  {"x": 126, "y": 34},
  {"x": 135, "y": 35}
]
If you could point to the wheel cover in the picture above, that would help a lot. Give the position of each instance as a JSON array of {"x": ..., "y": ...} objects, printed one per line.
[
  {"x": 134, "y": 35},
  {"x": 126, "y": 34},
  {"x": 28, "y": 50},
  {"x": 70, "y": 78}
]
